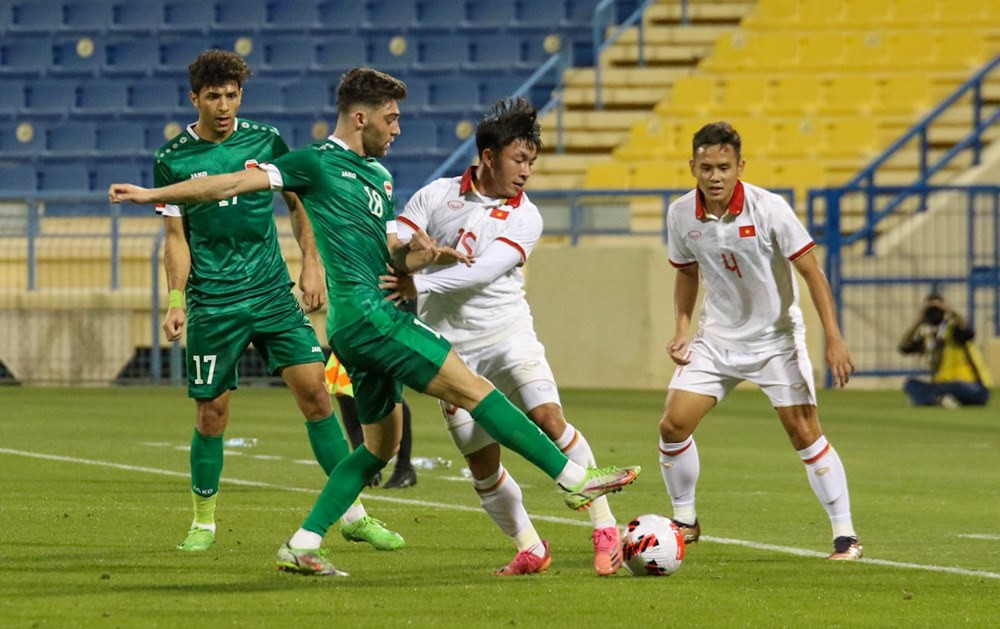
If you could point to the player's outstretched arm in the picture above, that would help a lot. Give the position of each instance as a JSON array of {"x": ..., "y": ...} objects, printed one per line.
[
  {"x": 422, "y": 251},
  {"x": 685, "y": 296},
  {"x": 214, "y": 188},
  {"x": 838, "y": 359}
]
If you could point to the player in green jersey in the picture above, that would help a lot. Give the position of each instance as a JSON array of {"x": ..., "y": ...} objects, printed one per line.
[
  {"x": 349, "y": 198},
  {"x": 224, "y": 254}
]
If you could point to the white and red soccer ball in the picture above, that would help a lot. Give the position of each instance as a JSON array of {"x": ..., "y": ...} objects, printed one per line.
[{"x": 653, "y": 546}]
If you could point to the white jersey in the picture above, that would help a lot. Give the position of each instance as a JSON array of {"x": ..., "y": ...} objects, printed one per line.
[
  {"x": 452, "y": 212},
  {"x": 751, "y": 298}
]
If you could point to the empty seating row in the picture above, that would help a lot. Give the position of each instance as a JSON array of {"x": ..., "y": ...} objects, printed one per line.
[
  {"x": 95, "y": 16},
  {"x": 782, "y": 14}
]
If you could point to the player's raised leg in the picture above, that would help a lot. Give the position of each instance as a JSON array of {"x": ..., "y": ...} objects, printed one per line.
[
  {"x": 679, "y": 463},
  {"x": 826, "y": 476}
]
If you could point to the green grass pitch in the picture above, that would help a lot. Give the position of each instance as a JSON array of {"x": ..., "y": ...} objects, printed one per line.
[{"x": 95, "y": 498}]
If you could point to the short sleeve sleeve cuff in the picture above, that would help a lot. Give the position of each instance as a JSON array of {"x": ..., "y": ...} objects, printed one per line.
[
  {"x": 273, "y": 175},
  {"x": 168, "y": 209}
]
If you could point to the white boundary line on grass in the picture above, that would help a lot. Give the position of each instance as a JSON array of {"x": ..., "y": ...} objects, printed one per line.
[{"x": 545, "y": 518}]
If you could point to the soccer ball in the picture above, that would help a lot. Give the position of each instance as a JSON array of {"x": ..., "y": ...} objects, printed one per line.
[{"x": 653, "y": 546}]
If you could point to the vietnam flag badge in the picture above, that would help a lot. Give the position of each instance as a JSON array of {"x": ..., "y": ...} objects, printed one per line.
[
  {"x": 499, "y": 214},
  {"x": 748, "y": 231}
]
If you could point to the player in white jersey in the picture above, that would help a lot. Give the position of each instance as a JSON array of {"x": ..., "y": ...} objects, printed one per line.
[
  {"x": 743, "y": 242},
  {"x": 482, "y": 310}
]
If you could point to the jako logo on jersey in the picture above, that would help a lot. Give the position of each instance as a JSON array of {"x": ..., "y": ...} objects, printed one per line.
[
  {"x": 499, "y": 214},
  {"x": 250, "y": 163},
  {"x": 348, "y": 174},
  {"x": 748, "y": 231},
  {"x": 695, "y": 235},
  {"x": 203, "y": 173},
  {"x": 388, "y": 189},
  {"x": 456, "y": 205}
]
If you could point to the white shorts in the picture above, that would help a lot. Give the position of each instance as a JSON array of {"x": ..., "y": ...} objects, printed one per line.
[
  {"x": 517, "y": 367},
  {"x": 785, "y": 376}
]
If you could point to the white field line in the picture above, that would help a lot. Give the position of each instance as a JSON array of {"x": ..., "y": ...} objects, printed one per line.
[
  {"x": 986, "y": 536},
  {"x": 453, "y": 507}
]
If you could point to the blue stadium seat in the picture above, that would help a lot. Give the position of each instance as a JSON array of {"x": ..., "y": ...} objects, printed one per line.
[
  {"x": 107, "y": 172},
  {"x": 290, "y": 54},
  {"x": 72, "y": 138},
  {"x": 379, "y": 55},
  {"x": 66, "y": 57},
  {"x": 441, "y": 52},
  {"x": 240, "y": 15},
  {"x": 31, "y": 16},
  {"x": 417, "y": 137},
  {"x": 188, "y": 15},
  {"x": 495, "y": 88},
  {"x": 64, "y": 177},
  {"x": 11, "y": 98},
  {"x": 176, "y": 54},
  {"x": 453, "y": 94},
  {"x": 293, "y": 15},
  {"x": 492, "y": 14},
  {"x": 137, "y": 16},
  {"x": 131, "y": 56},
  {"x": 409, "y": 173},
  {"x": 341, "y": 52},
  {"x": 494, "y": 52},
  {"x": 18, "y": 177},
  {"x": 548, "y": 16},
  {"x": 580, "y": 12},
  {"x": 310, "y": 96},
  {"x": 391, "y": 15},
  {"x": 122, "y": 138},
  {"x": 158, "y": 96},
  {"x": 87, "y": 16},
  {"x": 441, "y": 14},
  {"x": 24, "y": 56},
  {"x": 102, "y": 96},
  {"x": 416, "y": 94},
  {"x": 341, "y": 15},
  {"x": 50, "y": 96},
  {"x": 6, "y": 15},
  {"x": 298, "y": 130},
  {"x": 261, "y": 96},
  {"x": 532, "y": 52},
  {"x": 31, "y": 145}
]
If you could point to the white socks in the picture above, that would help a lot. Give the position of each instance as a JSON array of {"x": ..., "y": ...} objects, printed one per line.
[
  {"x": 575, "y": 447},
  {"x": 354, "y": 513},
  {"x": 829, "y": 483},
  {"x": 501, "y": 498},
  {"x": 680, "y": 466},
  {"x": 305, "y": 540}
]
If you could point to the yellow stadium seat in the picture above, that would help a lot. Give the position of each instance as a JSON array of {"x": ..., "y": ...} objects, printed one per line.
[
  {"x": 849, "y": 137},
  {"x": 968, "y": 12},
  {"x": 742, "y": 94},
  {"x": 794, "y": 94},
  {"x": 821, "y": 51},
  {"x": 821, "y": 14},
  {"x": 755, "y": 134},
  {"x": 864, "y": 50},
  {"x": 866, "y": 13},
  {"x": 692, "y": 95},
  {"x": 730, "y": 53},
  {"x": 909, "y": 48},
  {"x": 660, "y": 174},
  {"x": 915, "y": 12},
  {"x": 847, "y": 93},
  {"x": 903, "y": 94},
  {"x": 958, "y": 48},
  {"x": 608, "y": 174},
  {"x": 798, "y": 174},
  {"x": 771, "y": 13},
  {"x": 795, "y": 137},
  {"x": 771, "y": 51}
]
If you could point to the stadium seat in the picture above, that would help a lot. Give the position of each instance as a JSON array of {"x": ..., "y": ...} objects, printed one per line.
[
  {"x": 962, "y": 49},
  {"x": 157, "y": 96},
  {"x": 261, "y": 96},
  {"x": 385, "y": 53},
  {"x": 441, "y": 52},
  {"x": 494, "y": 52},
  {"x": 341, "y": 15},
  {"x": 313, "y": 96},
  {"x": 390, "y": 15},
  {"x": 847, "y": 93},
  {"x": 64, "y": 178},
  {"x": 493, "y": 89},
  {"x": 416, "y": 94},
  {"x": 177, "y": 53},
  {"x": 107, "y": 172},
  {"x": 290, "y": 54},
  {"x": 547, "y": 16},
  {"x": 908, "y": 48},
  {"x": 76, "y": 56},
  {"x": 741, "y": 94},
  {"x": 18, "y": 177},
  {"x": 72, "y": 138},
  {"x": 131, "y": 56},
  {"x": 122, "y": 138},
  {"x": 31, "y": 16},
  {"x": 12, "y": 98},
  {"x": 341, "y": 52},
  {"x": 293, "y": 15},
  {"x": 188, "y": 15},
  {"x": 87, "y": 16},
  {"x": 903, "y": 94},
  {"x": 240, "y": 15},
  {"x": 493, "y": 14},
  {"x": 107, "y": 96},
  {"x": 137, "y": 16},
  {"x": 691, "y": 95},
  {"x": 441, "y": 14},
  {"x": 417, "y": 137},
  {"x": 50, "y": 96},
  {"x": 965, "y": 12},
  {"x": 409, "y": 173},
  {"x": 28, "y": 57},
  {"x": 794, "y": 94},
  {"x": 797, "y": 137},
  {"x": 608, "y": 174},
  {"x": 453, "y": 95},
  {"x": 30, "y": 143},
  {"x": 849, "y": 136},
  {"x": 821, "y": 51},
  {"x": 580, "y": 12}
]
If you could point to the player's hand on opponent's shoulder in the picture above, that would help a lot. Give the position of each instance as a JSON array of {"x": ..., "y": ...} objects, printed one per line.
[
  {"x": 678, "y": 349},
  {"x": 838, "y": 359},
  {"x": 119, "y": 192}
]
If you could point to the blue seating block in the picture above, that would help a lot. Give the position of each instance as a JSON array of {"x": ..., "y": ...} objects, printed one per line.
[
  {"x": 50, "y": 96},
  {"x": 131, "y": 56},
  {"x": 32, "y": 143},
  {"x": 391, "y": 15},
  {"x": 18, "y": 178},
  {"x": 310, "y": 96},
  {"x": 261, "y": 96},
  {"x": 137, "y": 16},
  {"x": 416, "y": 137},
  {"x": 240, "y": 15},
  {"x": 29, "y": 56},
  {"x": 492, "y": 14},
  {"x": 11, "y": 98},
  {"x": 66, "y": 58},
  {"x": 31, "y": 16},
  {"x": 441, "y": 14},
  {"x": 341, "y": 52},
  {"x": 64, "y": 178},
  {"x": 122, "y": 138},
  {"x": 289, "y": 15},
  {"x": 188, "y": 15},
  {"x": 107, "y": 172},
  {"x": 102, "y": 96},
  {"x": 541, "y": 15},
  {"x": 158, "y": 96},
  {"x": 176, "y": 54},
  {"x": 290, "y": 54},
  {"x": 453, "y": 94},
  {"x": 380, "y": 56},
  {"x": 87, "y": 16},
  {"x": 441, "y": 52},
  {"x": 71, "y": 138},
  {"x": 341, "y": 15}
]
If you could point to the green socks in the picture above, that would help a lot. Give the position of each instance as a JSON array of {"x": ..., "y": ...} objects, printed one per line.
[
  {"x": 512, "y": 429},
  {"x": 342, "y": 488},
  {"x": 328, "y": 443},
  {"x": 206, "y": 468}
]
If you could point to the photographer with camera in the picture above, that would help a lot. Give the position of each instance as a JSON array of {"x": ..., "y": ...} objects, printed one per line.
[{"x": 958, "y": 375}]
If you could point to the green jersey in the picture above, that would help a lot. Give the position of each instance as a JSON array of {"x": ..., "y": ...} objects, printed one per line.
[
  {"x": 350, "y": 204},
  {"x": 233, "y": 242}
]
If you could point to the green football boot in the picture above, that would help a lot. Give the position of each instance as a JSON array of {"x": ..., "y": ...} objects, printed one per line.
[
  {"x": 598, "y": 482},
  {"x": 197, "y": 540},
  {"x": 307, "y": 562},
  {"x": 373, "y": 531}
]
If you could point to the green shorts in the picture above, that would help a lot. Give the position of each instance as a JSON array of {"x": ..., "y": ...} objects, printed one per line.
[
  {"x": 217, "y": 336},
  {"x": 383, "y": 350}
]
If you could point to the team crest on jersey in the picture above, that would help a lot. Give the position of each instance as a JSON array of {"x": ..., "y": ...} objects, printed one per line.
[
  {"x": 694, "y": 235},
  {"x": 748, "y": 231},
  {"x": 456, "y": 205},
  {"x": 388, "y": 189},
  {"x": 250, "y": 163}
]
